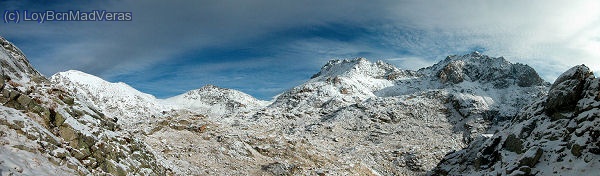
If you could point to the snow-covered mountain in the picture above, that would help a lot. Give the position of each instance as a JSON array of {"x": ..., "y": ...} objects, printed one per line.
[
  {"x": 340, "y": 83},
  {"x": 215, "y": 101},
  {"x": 556, "y": 135},
  {"x": 354, "y": 117},
  {"x": 377, "y": 107},
  {"x": 475, "y": 67}
]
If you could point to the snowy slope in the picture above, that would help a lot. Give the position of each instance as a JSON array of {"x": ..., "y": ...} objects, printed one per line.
[
  {"x": 117, "y": 100},
  {"x": 369, "y": 106},
  {"x": 215, "y": 101},
  {"x": 556, "y": 135}
]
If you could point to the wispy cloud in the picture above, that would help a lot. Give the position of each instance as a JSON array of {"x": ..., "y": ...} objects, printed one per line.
[{"x": 262, "y": 46}]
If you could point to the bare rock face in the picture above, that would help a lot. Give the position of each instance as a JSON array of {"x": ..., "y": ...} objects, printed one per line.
[
  {"x": 526, "y": 76},
  {"x": 453, "y": 72}
]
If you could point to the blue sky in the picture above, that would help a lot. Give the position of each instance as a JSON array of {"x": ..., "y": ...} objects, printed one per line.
[{"x": 264, "y": 47}]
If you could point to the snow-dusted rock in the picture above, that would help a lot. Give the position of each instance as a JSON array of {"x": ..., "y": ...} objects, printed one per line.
[
  {"x": 415, "y": 111},
  {"x": 567, "y": 89},
  {"x": 44, "y": 130},
  {"x": 538, "y": 143}
]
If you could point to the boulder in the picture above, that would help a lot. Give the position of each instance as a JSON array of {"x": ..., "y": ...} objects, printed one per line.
[
  {"x": 531, "y": 157},
  {"x": 24, "y": 100},
  {"x": 567, "y": 90},
  {"x": 576, "y": 150},
  {"x": 513, "y": 144}
]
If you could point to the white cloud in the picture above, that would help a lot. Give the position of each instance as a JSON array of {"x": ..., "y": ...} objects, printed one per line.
[{"x": 411, "y": 63}]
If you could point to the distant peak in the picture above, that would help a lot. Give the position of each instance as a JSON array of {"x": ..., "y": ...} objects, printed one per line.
[
  {"x": 478, "y": 67},
  {"x": 346, "y": 61}
]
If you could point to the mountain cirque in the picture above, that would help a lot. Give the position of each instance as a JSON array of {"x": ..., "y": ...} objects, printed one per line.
[{"x": 466, "y": 115}]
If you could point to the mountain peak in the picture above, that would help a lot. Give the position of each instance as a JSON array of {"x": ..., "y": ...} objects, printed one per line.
[
  {"x": 338, "y": 67},
  {"x": 356, "y": 67},
  {"x": 216, "y": 101},
  {"x": 485, "y": 69},
  {"x": 117, "y": 99},
  {"x": 79, "y": 75}
]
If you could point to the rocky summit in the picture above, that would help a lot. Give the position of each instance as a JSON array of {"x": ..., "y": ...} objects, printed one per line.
[{"x": 466, "y": 115}]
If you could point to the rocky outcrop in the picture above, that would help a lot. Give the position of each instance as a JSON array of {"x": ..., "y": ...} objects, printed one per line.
[
  {"x": 556, "y": 135},
  {"x": 567, "y": 90},
  {"x": 2, "y": 79},
  {"x": 44, "y": 123}
]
